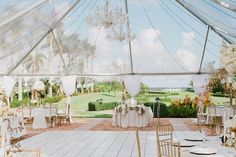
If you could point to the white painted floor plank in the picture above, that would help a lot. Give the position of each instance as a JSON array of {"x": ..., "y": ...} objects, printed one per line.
[
  {"x": 102, "y": 149},
  {"x": 115, "y": 147},
  {"x": 126, "y": 149},
  {"x": 99, "y": 143}
]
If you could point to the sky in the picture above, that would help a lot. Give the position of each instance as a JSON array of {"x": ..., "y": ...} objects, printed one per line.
[{"x": 183, "y": 40}]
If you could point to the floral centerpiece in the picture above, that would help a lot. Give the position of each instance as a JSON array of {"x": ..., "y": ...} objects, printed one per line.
[{"x": 125, "y": 108}]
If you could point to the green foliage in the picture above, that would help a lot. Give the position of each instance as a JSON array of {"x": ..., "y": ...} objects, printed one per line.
[
  {"x": 15, "y": 103},
  {"x": 172, "y": 111},
  {"x": 217, "y": 87},
  {"x": 97, "y": 106},
  {"x": 219, "y": 95},
  {"x": 108, "y": 86},
  {"x": 52, "y": 100},
  {"x": 154, "y": 107},
  {"x": 182, "y": 111}
]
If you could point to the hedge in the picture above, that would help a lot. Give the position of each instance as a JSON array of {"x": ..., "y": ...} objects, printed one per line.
[
  {"x": 219, "y": 95},
  {"x": 96, "y": 106},
  {"x": 165, "y": 111}
]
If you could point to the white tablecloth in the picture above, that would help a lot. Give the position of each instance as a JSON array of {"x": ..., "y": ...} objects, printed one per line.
[
  {"x": 220, "y": 112},
  {"x": 132, "y": 118},
  {"x": 39, "y": 115},
  {"x": 213, "y": 142}
]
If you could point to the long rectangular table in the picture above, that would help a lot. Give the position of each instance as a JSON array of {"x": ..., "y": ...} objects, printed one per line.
[{"x": 111, "y": 144}]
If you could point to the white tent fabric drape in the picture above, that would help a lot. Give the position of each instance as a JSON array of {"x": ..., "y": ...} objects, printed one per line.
[
  {"x": 68, "y": 87},
  {"x": 132, "y": 85},
  {"x": 200, "y": 83},
  {"x": 68, "y": 84},
  {"x": 8, "y": 84}
]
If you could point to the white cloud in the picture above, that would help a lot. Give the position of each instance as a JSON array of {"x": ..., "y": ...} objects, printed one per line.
[
  {"x": 187, "y": 58},
  {"x": 187, "y": 38},
  {"x": 148, "y": 54}
]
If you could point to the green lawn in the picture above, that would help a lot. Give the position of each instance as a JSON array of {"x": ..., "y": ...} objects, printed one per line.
[{"x": 80, "y": 103}]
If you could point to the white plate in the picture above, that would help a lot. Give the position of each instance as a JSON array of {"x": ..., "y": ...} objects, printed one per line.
[
  {"x": 203, "y": 151},
  {"x": 194, "y": 139}
]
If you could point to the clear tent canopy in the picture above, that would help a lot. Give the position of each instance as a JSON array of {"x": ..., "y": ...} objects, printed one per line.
[{"x": 52, "y": 38}]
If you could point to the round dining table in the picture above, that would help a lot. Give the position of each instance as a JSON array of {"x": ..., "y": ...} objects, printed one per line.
[{"x": 39, "y": 115}]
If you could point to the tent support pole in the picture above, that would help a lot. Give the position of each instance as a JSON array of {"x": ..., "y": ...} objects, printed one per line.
[
  {"x": 58, "y": 47},
  {"x": 129, "y": 42},
  {"x": 212, "y": 27},
  {"x": 28, "y": 53},
  {"x": 67, "y": 12},
  {"x": 113, "y": 74},
  {"x": 204, "y": 49}
]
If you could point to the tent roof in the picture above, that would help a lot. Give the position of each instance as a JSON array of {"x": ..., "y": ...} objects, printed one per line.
[{"x": 43, "y": 39}]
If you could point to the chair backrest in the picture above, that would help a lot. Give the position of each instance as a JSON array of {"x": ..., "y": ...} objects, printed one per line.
[
  {"x": 53, "y": 111},
  {"x": 31, "y": 153},
  {"x": 26, "y": 112},
  {"x": 164, "y": 132},
  {"x": 212, "y": 111},
  {"x": 168, "y": 149}
]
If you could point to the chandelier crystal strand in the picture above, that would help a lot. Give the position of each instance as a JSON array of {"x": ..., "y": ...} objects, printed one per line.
[{"x": 113, "y": 22}]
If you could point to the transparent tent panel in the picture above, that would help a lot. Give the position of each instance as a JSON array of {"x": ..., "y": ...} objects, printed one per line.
[
  {"x": 81, "y": 49},
  {"x": 212, "y": 13}
]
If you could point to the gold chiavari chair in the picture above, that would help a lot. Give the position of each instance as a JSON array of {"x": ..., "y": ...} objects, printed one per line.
[
  {"x": 201, "y": 116},
  {"x": 27, "y": 115},
  {"x": 165, "y": 145},
  {"x": 138, "y": 143},
  {"x": 22, "y": 153},
  {"x": 214, "y": 120}
]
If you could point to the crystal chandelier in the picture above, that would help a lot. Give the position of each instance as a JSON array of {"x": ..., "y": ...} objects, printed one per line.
[
  {"x": 120, "y": 31},
  {"x": 114, "y": 22},
  {"x": 103, "y": 17}
]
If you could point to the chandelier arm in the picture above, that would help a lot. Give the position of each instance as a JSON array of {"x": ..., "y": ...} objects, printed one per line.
[{"x": 129, "y": 41}]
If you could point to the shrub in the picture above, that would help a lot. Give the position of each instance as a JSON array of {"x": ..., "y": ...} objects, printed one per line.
[
  {"x": 182, "y": 111},
  {"x": 163, "y": 109},
  {"x": 97, "y": 106},
  {"x": 219, "y": 95},
  {"x": 15, "y": 103},
  {"x": 52, "y": 100}
]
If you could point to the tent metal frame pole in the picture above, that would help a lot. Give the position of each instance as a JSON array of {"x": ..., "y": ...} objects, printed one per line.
[
  {"x": 204, "y": 48},
  {"x": 212, "y": 27},
  {"x": 67, "y": 12},
  {"x": 58, "y": 47},
  {"x": 28, "y": 53},
  {"x": 113, "y": 74},
  {"x": 8, "y": 20},
  {"x": 129, "y": 42}
]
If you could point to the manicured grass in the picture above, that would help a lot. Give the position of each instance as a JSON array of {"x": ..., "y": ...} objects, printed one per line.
[{"x": 80, "y": 103}]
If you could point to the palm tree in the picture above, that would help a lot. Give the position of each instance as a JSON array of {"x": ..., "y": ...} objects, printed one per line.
[{"x": 34, "y": 61}]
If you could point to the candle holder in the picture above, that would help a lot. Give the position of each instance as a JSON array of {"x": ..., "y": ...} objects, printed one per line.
[{"x": 224, "y": 139}]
